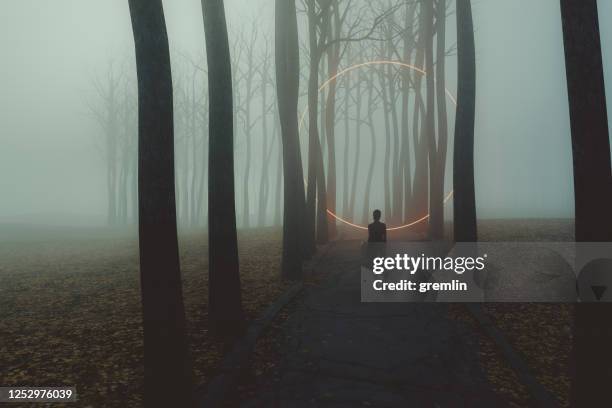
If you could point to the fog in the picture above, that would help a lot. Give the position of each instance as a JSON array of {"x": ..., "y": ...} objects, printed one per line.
[{"x": 52, "y": 166}]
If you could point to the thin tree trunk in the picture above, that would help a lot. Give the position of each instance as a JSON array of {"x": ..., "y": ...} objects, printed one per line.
[
  {"x": 287, "y": 86},
  {"x": 225, "y": 309},
  {"x": 356, "y": 163},
  {"x": 430, "y": 121},
  {"x": 184, "y": 218},
  {"x": 397, "y": 190},
  {"x": 420, "y": 196},
  {"x": 279, "y": 176},
  {"x": 263, "y": 184},
  {"x": 464, "y": 201},
  {"x": 437, "y": 159},
  {"x": 405, "y": 162},
  {"x": 247, "y": 134},
  {"x": 387, "y": 162},
  {"x": 347, "y": 141},
  {"x": 322, "y": 225},
  {"x": 366, "y": 200},
  {"x": 194, "y": 162},
  {"x": 333, "y": 61},
  {"x": 313, "y": 132},
  {"x": 168, "y": 379},
  {"x": 134, "y": 189}
]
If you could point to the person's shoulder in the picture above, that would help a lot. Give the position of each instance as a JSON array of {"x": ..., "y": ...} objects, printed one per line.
[
  {"x": 383, "y": 225},
  {"x": 370, "y": 225}
]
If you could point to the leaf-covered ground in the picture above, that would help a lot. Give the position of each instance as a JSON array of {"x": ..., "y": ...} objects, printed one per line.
[
  {"x": 70, "y": 312},
  {"x": 70, "y": 309},
  {"x": 540, "y": 333}
]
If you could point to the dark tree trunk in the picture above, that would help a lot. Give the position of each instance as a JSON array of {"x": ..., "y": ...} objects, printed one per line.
[
  {"x": 313, "y": 131},
  {"x": 371, "y": 125},
  {"x": 430, "y": 113},
  {"x": 420, "y": 194},
  {"x": 246, "y": 207},
  {"x": 316, "y": 197},
  {"x": 264, "y": 182},
  {"x": 279, "y": 176},
  {"x": 168, "y": 377},
  {"x": 397, "y": 190},
  {"x": 322, "y": 225},
  {"x": 356, "y": 163},
  {"x": 287, "y": 88},
  {"x": 464, "y": 201},
  {"x": 589, "y": 122},
  {"x": 225, "y": 310},
  {"x": 437, "y": 161},
  {"x": 592, "y": 354},
  {"x": 405, "y": 162},
  {"x": 333, "y": 59},
  {"x": 386, "y": 165},
  {"x": 193, "y": 221},
  {"x": 347, "y": 141}
]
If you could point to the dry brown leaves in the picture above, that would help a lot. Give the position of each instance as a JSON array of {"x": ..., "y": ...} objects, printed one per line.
[{"x": 70, "y": 311}]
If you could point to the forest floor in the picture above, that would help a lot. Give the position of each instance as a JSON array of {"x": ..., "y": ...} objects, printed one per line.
[{"x": 70, "y": 312}]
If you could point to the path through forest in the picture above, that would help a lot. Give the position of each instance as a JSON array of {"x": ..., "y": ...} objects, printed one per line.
[{"x": 340, "y": 352}]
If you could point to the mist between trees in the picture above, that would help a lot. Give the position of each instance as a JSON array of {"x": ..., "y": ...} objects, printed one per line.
[{"x": 370, "y": 121}]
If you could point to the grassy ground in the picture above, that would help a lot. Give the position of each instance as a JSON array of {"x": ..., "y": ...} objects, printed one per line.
[{"x": 70, "y": 309}]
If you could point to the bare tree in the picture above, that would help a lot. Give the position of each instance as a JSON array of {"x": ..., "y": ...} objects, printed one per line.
[
  {"x": 250, "y": 88},
  {"x": 107, "y": 111},
  {"x": 168, "y": 375}
]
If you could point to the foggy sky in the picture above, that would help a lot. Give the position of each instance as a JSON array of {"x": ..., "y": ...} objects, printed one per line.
[{"x": 50, "y": 165}]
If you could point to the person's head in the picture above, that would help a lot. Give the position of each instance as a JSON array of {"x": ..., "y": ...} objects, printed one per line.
[{"x": 376, "y": 215}]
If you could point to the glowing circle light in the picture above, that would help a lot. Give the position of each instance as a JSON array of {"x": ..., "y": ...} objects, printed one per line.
[{"x": 366, "y": 64}]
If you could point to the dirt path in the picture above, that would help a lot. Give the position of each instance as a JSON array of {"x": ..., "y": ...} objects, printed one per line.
[{"x": 341, "y": 352}]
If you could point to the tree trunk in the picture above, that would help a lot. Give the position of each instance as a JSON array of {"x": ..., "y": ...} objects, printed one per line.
[
  {"x": 279, "y": 176},
  {"x": 437, "y": 161},
  {"x": 405, "y": 162},
  {"x": 397, "y": 191},
  {"x": 333, "y": 61},
  {"x": 592, "y": 191},
  {"x": 387, "y": 162},
  {"x": 464, "y": 201},
  {"x": 356, "y": 163},
  {"x": 247, "y": 134},
  {"x": 366, "y": 200},
  {"x": 313, "y": 131},
  {"x": 168, "y": 377},
  {"x": 330, "y": 119},
  {"x": 420, "y": 194},
  {"x": 225, "y": 310},
  {"x": 264, "y": 184},
  {"x": 287, "y": 89},
  {"x": 347, "y": 141},
  {"x": 193, "y": 221}
]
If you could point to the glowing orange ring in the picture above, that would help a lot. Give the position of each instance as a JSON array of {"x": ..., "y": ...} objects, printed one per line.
[{"x": 365, "y": 64}]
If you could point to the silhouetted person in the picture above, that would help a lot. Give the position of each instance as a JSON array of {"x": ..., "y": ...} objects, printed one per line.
[{"x": 377, "y": 231}]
